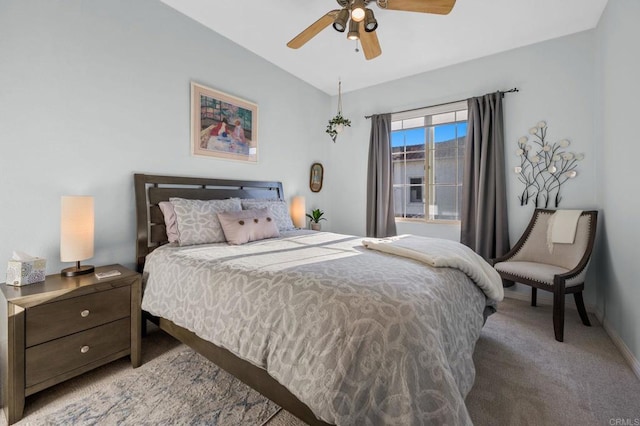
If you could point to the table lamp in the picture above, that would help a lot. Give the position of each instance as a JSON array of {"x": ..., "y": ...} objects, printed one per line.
[
  {"x": 76, "y": 233},
  {"x": 297, "y": 211}
]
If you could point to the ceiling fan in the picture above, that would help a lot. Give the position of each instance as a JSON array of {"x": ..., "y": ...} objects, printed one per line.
[{"x": 362, "y": 23}]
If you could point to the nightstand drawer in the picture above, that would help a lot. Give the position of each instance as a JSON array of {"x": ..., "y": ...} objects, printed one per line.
[
  {"x": 48, "y": 360},
  {"x": 52, "y": 320}
]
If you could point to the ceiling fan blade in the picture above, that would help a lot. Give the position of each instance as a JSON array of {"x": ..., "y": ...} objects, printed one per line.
[
  {"x": 370, "y": 44},
  {"x": 440, "y": 7},
  {"x": 312, "y": 30}
]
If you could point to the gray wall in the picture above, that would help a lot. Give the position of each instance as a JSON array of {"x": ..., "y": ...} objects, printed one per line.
[
  {"x": 618, "y": 67},
  {"x": 556, "y": 80},
  {"x": 93, "y": 91}
]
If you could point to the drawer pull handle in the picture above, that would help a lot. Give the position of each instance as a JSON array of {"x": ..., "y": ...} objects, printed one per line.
[
  {"x": 84, "y": 349},
  {"x": 84, "y": 313}
]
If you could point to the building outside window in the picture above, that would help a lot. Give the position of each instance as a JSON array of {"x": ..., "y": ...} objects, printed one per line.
[
  {"x": 427, "y": 148},
  {"x": 415, "y": 190}
]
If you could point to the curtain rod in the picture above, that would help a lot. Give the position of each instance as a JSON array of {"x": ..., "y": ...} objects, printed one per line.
[{"x": 515, "y": 89}]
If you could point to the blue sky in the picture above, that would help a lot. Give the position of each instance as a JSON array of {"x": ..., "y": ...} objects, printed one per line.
[{"x": 416, "y": 136}]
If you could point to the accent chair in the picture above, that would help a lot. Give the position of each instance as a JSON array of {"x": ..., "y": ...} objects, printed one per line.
[{"x": 554, "y": 267}]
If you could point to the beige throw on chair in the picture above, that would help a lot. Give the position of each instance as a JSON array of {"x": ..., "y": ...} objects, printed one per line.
[
  {"x": 562, "y": 227},
  {"x": 561, "y": 271}
]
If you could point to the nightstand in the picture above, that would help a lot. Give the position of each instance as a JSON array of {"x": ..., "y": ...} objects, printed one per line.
[{"x": 65, "y": 326}]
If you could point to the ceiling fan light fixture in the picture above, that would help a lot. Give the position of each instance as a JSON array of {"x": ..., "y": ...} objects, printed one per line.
[
  {"x": 357, "y": 10},
  {"x": 340, "y": 23},
  {"x": 361, "y": 21},
  {"x": 353, "y": 34},
  {"x": 370, "y": 23}
]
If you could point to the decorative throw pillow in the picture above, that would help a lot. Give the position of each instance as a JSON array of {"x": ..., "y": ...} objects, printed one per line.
[
  {"x": 198, "y": 219},
  {"x": 170, "y": 222},
  {"x": 248, "y": 225},
  {"x": 278, "y": 208}
]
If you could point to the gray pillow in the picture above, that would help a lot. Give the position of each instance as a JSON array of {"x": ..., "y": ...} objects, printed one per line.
[
  {"x": 278, "y": 209},
  {"x": 198, "y": 219}
]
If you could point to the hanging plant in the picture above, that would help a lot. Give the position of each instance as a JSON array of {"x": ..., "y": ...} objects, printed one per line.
[{"x": 337, "y": 123}]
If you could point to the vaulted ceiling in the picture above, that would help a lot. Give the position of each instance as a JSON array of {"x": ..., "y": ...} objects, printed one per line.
[{"x": 411, "y": 42}]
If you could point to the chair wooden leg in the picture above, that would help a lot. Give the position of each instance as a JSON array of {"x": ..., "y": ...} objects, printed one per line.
[
  {"x": 558, "y": 315},
  {"x": 508, "y": 283},
  {"x": 581, "y": 310},
  {"x": 534, "y": 296}
]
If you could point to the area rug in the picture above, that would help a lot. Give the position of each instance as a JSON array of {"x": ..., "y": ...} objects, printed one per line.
[{"x": 179, "y": 387}]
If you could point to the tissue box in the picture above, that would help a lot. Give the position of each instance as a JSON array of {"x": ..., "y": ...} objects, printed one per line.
[{"x": 23, "y": 272}]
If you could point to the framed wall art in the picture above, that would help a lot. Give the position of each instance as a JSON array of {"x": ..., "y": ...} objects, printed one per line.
[
  {"x": 223, "y": 126},
  {"x": 316, "y": 176}
]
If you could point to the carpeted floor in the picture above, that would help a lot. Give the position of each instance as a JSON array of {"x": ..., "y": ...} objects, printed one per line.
[
  {"x": 174, "y": 385},
  {"x": 523, "y": 377}
]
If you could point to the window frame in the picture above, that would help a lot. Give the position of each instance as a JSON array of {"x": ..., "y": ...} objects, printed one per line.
[{"x": 428, "y": 180}]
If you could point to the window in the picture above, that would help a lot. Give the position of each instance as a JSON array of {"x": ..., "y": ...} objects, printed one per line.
[
  {"x": 427, "y": 148},
  {"x": 415, "y": 190}
]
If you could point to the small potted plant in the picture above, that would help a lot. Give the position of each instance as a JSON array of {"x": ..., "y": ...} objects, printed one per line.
[{"x": 316, "y": 217}]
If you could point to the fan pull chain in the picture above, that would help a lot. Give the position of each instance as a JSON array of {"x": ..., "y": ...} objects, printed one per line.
[{"x": 357, "y": 50}]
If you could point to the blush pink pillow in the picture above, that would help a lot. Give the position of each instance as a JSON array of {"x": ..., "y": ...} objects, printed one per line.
[
  {"x": 170, "y": 221},
  {"x": 248, "y": 225}
]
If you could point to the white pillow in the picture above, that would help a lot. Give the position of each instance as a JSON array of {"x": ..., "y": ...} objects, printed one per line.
[
  {"x": 198, "y": 219},
  {"x": 278, "y": 208}
]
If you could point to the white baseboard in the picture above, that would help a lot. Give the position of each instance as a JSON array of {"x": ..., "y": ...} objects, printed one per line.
[
  {"x": 546, "y": 298},
  {"x": 622, "y": 347}
]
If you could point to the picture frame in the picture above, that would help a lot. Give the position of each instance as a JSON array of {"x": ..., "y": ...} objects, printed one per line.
[
  {"x": 315, "y": 177},
  {"x": 223, "y": 126}
]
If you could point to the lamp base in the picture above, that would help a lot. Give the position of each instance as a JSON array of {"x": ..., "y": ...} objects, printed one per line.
[{"x": 77, "y": 270}]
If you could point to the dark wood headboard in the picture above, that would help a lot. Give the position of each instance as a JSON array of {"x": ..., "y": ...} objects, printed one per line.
[{"x": 152, "y": 189}]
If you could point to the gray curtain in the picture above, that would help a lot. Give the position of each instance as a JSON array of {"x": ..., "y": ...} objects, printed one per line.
[
  {"x": 484, "y": 226},
  {"x": 380, "y": 215}
]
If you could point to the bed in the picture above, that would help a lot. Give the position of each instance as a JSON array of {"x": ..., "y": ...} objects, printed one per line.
[{"x": 330, "y": 330}]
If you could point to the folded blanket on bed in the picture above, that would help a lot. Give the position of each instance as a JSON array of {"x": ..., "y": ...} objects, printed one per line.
[{"x": 441, "y": 253}]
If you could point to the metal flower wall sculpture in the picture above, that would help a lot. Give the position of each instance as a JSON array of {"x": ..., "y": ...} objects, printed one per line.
[{"x": 544, "y": 167}]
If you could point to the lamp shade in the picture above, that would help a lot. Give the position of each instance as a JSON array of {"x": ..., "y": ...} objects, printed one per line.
[
  {"x": 353, "y": 33},
  {"x": 297, "y": 211},
  {"x": 340, "y": 23},
  {"x": 370, "y": 22},
  {"x": 76, "y": 228},
  {"x": 357, "y": 10}
]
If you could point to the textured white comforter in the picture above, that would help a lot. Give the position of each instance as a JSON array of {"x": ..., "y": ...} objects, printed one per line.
[
  {"x": 441, "y": 253},
  {"x": 361, "y": 337}
]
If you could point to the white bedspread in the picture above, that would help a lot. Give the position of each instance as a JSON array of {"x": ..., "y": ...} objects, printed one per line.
[
  {"x": 441, "y": 253},
  {"x": 361, "y": 337}
]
